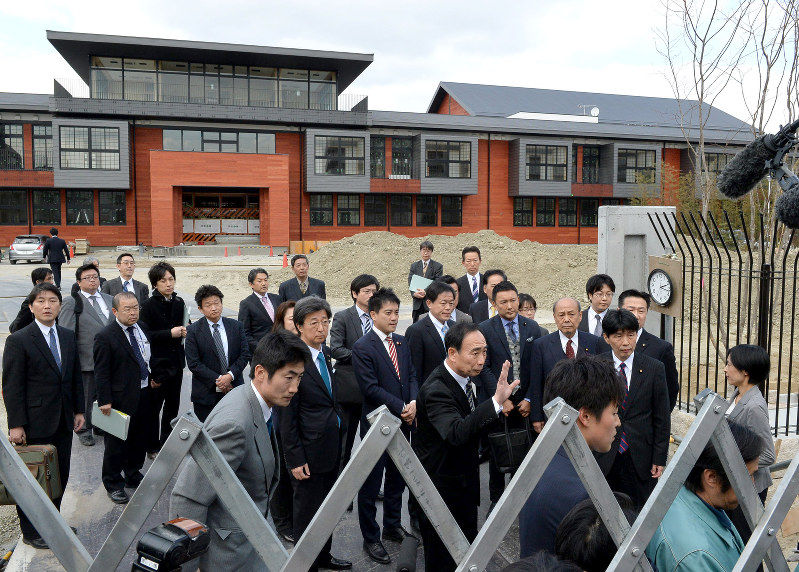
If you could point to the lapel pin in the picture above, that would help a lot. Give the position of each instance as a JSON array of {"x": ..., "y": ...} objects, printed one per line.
[{"x": 640, "y": 371}]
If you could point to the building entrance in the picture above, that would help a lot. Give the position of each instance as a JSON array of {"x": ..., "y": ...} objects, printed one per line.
[{"x": 211, "y": 214}]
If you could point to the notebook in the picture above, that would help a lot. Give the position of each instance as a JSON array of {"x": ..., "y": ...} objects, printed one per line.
[{"x": 116, "y": 423}]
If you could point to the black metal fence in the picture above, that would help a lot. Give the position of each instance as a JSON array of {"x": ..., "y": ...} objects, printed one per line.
[{"x": 737, "y": 289}]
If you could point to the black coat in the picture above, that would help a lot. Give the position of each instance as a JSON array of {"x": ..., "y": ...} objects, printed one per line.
[
  {"x": 465, "y": 299},
  {"x": 116, "y": 370},
  {"x": 499, "y": 351},
  {"x": 255, "y": 319},
  {"x": 427, "y": 347},
  {"x": 36, "y": 393},
  {"x": 158, "y": 316},
  {"x": 663, "y": 351},
  {"x": 24, "y": 317},
  {"x": 479, "y": 311},
  {"x": 345, "y": 330},
  {"x": 290, "y": 289},
  {"x": 55, "y": 250}
]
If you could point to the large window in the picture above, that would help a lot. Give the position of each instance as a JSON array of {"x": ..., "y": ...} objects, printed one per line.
[
  {"x": 219, "y": 141},
  {"x": 401, "y": 157},
  {"x": 451, "y": 211},
  {"x": 588, "y": 212},
  {"x": 322, "y": 210},
  {"x": 546, "y": 163},
  {"x": 544, "y": 211},
  {"x": 715, "y": 162},
  {"x": 293, "y": 88},
  {"x": 567, "y": 212},
  {"x": 426, "y": 210},
  {"x": 591, "y": 164},
  {"x": 322, "y": 90},
  {"x": 349, "y": 210},
  {"x": 374, "y": 210},
  {"x": 13, "y": 207},
  {"x": 80, "y": 207},
  {"x": 11, "y": 149},
  {"x": 448, "y": 159},
  {"x": 401, "y": 214},
  {"x": 46, "y": 207},
  {"x": 113, "y": 210},
  {"x": 42, "y": 146},
  {"x": 522, "y": 211},
  {"x": 636, "y": 166},
  {"x": 139, "y": 80},
  {"x": 338, "y": 155},
  {"x": 377, "y": 156},
  {"x": 89, "y": 148}
]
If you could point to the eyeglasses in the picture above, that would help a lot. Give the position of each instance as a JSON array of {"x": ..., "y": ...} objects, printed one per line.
[
  {"x": 91, "y": 278},
  {"x": 317, "y": 323}
]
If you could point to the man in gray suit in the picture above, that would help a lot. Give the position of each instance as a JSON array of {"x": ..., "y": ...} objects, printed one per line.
[
  {"x": 241, "y": 427},
  {"x": 125, "y": 282},
  {"x": 86, "y": 313},
  {"x": 426, "y": 268}
]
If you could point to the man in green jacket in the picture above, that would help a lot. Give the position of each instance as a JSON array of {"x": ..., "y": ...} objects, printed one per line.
[{"x": 696, "y": 533}]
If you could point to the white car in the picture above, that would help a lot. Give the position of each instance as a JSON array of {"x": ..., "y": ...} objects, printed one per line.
[{"x": 28, "y": 247}]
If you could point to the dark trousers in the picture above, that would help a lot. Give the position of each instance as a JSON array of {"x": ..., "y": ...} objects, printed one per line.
[
  {"x": 417, "y": 311},
  {"x": 202, "y": 410},
  {"x": 739, "y": 520},
  {"x": 623, "y": 478},
  {"x": 56, "y": 268},
  {"x": 168, "y": 396},
  {"x": 281, "y": 504},
  {"x": 62, "y": 441},
  {"x": 308, "y": 497},
  {"x": 436, "y": 556},
  {"x": 127, "y": 456},
  {"x": 351, "y": 418},
  {"x": 90, "y": 396}
]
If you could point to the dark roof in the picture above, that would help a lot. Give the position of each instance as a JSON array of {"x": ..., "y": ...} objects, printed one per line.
[
  {"x": 25, "y": 101},
  {"x": 502, "y": 101},
  {"x": 77, "y": 50}
]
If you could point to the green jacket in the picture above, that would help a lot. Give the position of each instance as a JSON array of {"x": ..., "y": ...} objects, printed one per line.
[{"x": 691, "y": 538}]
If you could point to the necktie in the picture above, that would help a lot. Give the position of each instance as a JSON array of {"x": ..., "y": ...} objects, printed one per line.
[
  {"x": 366, "y": 321},
  {"x": 303, "y": 287},
  {"x": 512, "y": 332},
  {"x": 493, "y": 311},
  {"x": 320, "y": 359},
  {"x": 424, "y": 267},
  {"x": 598, "y": 327},
  {"x": 392, "y": 352},
  {"x": 469, "y": 394},
  {"x": 126, "y": 286},
  {"x": 96, "y": 305},
  {"x": 569, "y": 350},
  {"x": 143, "y": 371},
  {"x": 268, "y": 305},
  {"x": 444, "y": 329},
  {"x": 623, "y": 446},
  {"x": 269, "y": 425},
  {"x": 475, "y": 293},
  {"x": 220, "y": 349},
  {"x": 54, "y": 348}
]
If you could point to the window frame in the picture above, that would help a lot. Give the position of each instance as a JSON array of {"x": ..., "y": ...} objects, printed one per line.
[
  {"x": 353, "y": 212},
  {"x": 319, "y": 210},
  {"x": 594, "y": 153},
  {"x": 716, "y": 157},
  {"x": 270, "y": 143},
  {"x": 371, "y": 216},
  {"x": 402, "y": 204},
  {"x": 549, "y": 168},
  {"x": 12, "y": 205},
  {"x": 584, "y": 213},
  {"x": 90, "y": 150},
  {"x": 53, "y": 208},
  {"x": 359, "y": 161},
  {"x": 567, "y": 218},
  {"x": 8, "y": 141},
  {"x": 377, "y": 156},
  {"x": 103, "y": 221},
  {"x": 405, "y": 155},
  {"x": 48, "y": 150},
  {"x": 521, "y": 213},
  {"x": 73, "y": 194},
  {"x": 543, "y": 213},
  {"x": 426, "y": 211},
  {"x": 450, "y": 220},
  {"x": 447, "y": 162},
  {"x": 627, "y": 153}
]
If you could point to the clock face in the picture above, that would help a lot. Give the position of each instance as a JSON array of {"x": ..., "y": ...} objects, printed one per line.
[{"x": 660, "y": 287}]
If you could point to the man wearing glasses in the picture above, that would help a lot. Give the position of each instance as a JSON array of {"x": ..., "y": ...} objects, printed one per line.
[{"x": 599, "y": 289}]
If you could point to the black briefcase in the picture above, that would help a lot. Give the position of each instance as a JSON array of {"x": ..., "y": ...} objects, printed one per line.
[{"x": 509, "y": 447}]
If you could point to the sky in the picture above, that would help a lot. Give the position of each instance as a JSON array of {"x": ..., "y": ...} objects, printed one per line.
[{"x": 580, "y": 45}]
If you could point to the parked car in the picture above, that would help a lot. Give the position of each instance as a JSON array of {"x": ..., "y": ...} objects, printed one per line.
[{"x": 28, "y": 247}]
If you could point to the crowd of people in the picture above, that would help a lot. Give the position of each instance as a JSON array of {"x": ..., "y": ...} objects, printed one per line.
[{"x": 474, "y": 361}]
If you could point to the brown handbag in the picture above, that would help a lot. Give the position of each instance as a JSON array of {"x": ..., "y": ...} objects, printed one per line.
[{"x": 42, "y": 462}]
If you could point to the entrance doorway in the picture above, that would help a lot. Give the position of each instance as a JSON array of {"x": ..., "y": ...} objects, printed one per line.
[{"x": 220, "y": 214}]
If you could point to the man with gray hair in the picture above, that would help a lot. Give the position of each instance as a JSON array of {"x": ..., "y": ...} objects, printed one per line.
[
  {"x": 565, "y": 343},
  {"x": 94, "y": 261}
]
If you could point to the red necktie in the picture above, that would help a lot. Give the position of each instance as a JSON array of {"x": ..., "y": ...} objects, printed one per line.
[
  {"x": 569, "y": 350},
  {"x": 392, "y": 351}
]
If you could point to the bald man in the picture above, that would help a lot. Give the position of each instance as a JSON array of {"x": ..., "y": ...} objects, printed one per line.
[{"x": 566, "y": 342}]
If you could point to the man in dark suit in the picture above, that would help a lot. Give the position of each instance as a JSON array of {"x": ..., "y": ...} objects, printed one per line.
[
  {"x": 449, "y": 423},
  {"x": 125, "y": 282},
  {"x": 216, "y": 352},
  {"x": 456, "y": 316},
  {"x": 42, "y": 388},
  {"x": 257, "y": 311},
  {"x": 470, "y": 285},
  {"x": 638, "y": 455},
  {"x": 567, "y": 342},
  {"x": 599, "y": 289},
  {"x": 425, "y": 338},
  {"x": 24, "y": 316},
  {"x": 56, "y": 252},
  {"x": 302, "y": 285},
  {"x": 482, "y": 310},
  {"x": 93, "y": 261},
  {"x": 384, "y": 369},
  {"x": 310, "y": 426},
  {"x": 638, "y": 302},
  {"x": 426, "y": 268},
  {"x": 122, "y": 373}
]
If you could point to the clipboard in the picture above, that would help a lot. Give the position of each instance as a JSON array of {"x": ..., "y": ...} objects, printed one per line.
[
  {"x": 117, "y": 423},
  {"x": 419, "y": 283}
]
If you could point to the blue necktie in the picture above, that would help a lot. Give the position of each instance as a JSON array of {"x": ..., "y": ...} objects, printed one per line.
[
  {"x": 269, "y": 425},
  {"x": 475, "y": 293},
  {"x": 367, "y": 324},
  {"x": 143, "y": 371},
  {"x": 54, "y": 348},
  {"x": 623, "y": 445},
  {"x": 320, "y": 359},
  {"x": 512, "y": 331}
]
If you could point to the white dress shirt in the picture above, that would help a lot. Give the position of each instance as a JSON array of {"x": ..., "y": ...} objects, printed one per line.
[
  {"x": 462, "y": 381},
  {"x": 100, "y": 302},
  {"x": 222, "y": 334},
  {"x": 564, "y": 340},
  {"x": 592, "y": 318},
  {"x": 144, "y": 345},
  {"x": 437, "y": 324},
  {"x": 127, "y": 285},
  {"x": 361, "y": 314},
  {"x": 474, "y": 284},
  {"x": 265, "y": 409},
  {"x": 46, "y": 333},
  {"x": 628, "y": 366}
]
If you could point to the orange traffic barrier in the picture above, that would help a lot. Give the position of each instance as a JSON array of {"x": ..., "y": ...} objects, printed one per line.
[
  {"x": 285, "y": 260},
  {"x": 226, "y": 252},
  {"x": 271, "y": 252},
  {"x": 239, "y": 251}
]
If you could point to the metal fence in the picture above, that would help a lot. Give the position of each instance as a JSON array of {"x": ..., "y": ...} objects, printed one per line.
[{"x": 737, "y": 289}]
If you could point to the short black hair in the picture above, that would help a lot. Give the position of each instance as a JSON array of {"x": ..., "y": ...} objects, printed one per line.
[
  {"x": 435, "y": 289},
  {"x": 489, "y": 273},
  {"x": 382, "y": 297},
  {"x": 297, "y": 257},
  {"x": 203, "y": 292},
  {"x": 253, "y": 274},
  {"x": 123, "y": 255},
  {"x": 54, "y": 231},
  {"x": 619, "y": 321},
  {"x": 447, "y": 279},
  {"x": 542, "y": 561},
  {"x": 40, "y": 274},
  {"x": 83, "y": 268},
  {"x": 634, "y": 294},
  {"x": 584, "y": 539},
  {"x": 309, "y": 305},
  {"x": 159, "y": 270},
  {"x": 426, "y": 244},
  {"x": 278, "y": 349},
  {"x": 362, "y": 281},
  {"x": 469, "y": 249},
  {"x": 43, "y": 287},
  {"x": 457, "y": 333},
  {"x": 597, "y": 281},
  {"x": 750, "y": 445},
  {"x": 503, "y": 286},
  {"x": 754, "y": 360},
  {"x": 527, "y": 299},
  {"x": 587, "y": 381}
]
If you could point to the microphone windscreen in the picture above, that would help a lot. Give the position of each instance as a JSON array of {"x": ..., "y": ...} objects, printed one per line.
[
  {"x": 787, "y": 207},
  {"x": 406, "y": 559},
  {"x": 744, "y": 170}
]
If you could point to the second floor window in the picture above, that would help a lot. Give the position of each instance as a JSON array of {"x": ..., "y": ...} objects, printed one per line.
[
  {"x": 42, "y": 146},
  {"x": 89, "y": 148},
  {"x": 448, "y": 159},
  {"x": 590, "y": 164},
  {"x": 401, "y": 157},
  {"x": 546, "y": 163},
  {"x": 11, "y": 150},
  {"x": 338, "y": 155},
  {"x": 636, "y": 166},
  {"x": 377, "y": 156}
]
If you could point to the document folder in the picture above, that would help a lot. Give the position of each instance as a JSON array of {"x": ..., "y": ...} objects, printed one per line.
[
  {"x": 116, "y": 423},
  {"x": 419, "y": 283}
]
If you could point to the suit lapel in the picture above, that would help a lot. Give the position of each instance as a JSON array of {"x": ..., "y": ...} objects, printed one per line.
[
  {"x": 90, "y": 310},
  {"x": 125, "y": 341},
  {"x": 434, "y": 334},
  {"x": 230, "y": 339},
  {"x": 637, "y": 376},
  {"x": 261, "y": 433},
  {"x": 380, "y": 348},
  {"x": 496, "y": 323},
  {"x": 44, "y": 347},
  {"x": 255, "y": 301},
  {"x": 557, "y": 347},
  {"x": 355, "y": 323},
  {"x": 457, "y": 392},
  {"x": 313, "y": 371},
  {"x": 205, "y": 331}
]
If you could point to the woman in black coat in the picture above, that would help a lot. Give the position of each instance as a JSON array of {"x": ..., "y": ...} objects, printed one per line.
[{"x": 164, "y": 315}]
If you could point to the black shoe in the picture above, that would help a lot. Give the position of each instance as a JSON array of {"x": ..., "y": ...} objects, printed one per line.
[
  {"x": 333, "y": 563},
  {"x": 134, "y": 480},
  {"x": 415, "y": 524},
  {"x": 377, "y": 552},
  {"x": 349, "y": 508},
  {"x": 86, "y": 439},
  {"x": 119, "y": 496},
  {"x": 36, "y": 543},
  {"x": 396, "y": 534},
  {"x": 287, "y": 537},
  {"x": 380, "y": 496}
]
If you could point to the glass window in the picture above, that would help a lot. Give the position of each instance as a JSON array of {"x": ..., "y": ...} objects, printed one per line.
[
  {"x": 451, "y": 211},
  {"x": 266, "y": 143},
  {"x": 80, "y": 207},
  {"x": 544, "y": 211},
  {"x": 226, "y": 88},
  {"x": 85, "y": 148},
  {"x": 263, "y": 87},
  {"x": 567, "y": 213},
  {"x": 74, "y": 142},
  {"x": 636, "y": 166},
  {"x": 546, "y": 163},
  {"x": 247, "y": 143},
  {"x": 240, "y": 91},
  {"x": 104, "y": 144},
  {"x": 401, "y": 157},
  {"x": 42, "y": 146},
  {"x": 588, "y": 212},
  {"x": 522, "y": 211},
  {"x": 426, "y": 210},
  {"x": 112, "y": 207},
  {"x": 139, "y": 80},
  {"x": 349, "y": 210},
  {"x": 11, "y": 150},
  {"x": 196, "y": 85},
  {"x": 614, "y": 202},
  {"x": 46, "y": 207},
  {"x": 339, "y": 155},
  {"x": 172, "y": 140},
  {"x": 374, "y": 210},
  {"x": 377, "y": 156},
  {"x": 192, "y": 141},
  {"x": 401, "y": 214},
  {"x": 715, "y": 162},
  {"x": 294, "y": 88},
  {"x": 228, "y": 142},
  {"x": 173, "y": 82},
  {"x": 322, "y": 95},
  {"x": 591, "y": 164},
  {"x": 448, "y": 159},
  {"x": 321, "y": 210},
  {"x": 106, "y": 78},
  {"x": 14, "y": 207}
]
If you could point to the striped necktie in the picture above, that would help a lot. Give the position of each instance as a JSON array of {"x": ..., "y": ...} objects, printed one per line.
[
  {"x": 367, "y": 323},
  {"x": 623, "y": 446},
  {"x": 392, "y": 352}
]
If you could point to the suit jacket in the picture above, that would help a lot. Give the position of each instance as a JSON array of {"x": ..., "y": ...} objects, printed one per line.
[
  {"x": 663, "y": 351},
  {"x": 346, "y": 329},
  {"x": 36, "y": 392},
  {"x": 646, "y": 420},
  {"x": 24, "y": 317},
  {"x": 116, "y": 371},
  {"x": 237, "y": 427},
  {"x": 479, "y": 311},
  {"x": 547, "y": 351},
  {"x": 204, "y": 363},
  {"x": 377, "y": 377},
  {"x": 426, "y": 347},
  {"x": 255, "y": 319},
  {"x": 76, "y": 287},
  {"x": 55, "y": 250},
  {"x": 434, "y": 270},
  {"x": 447, "y": 437},
  {"x": 752, "y": 412},
  {"x": 457, "y": 315},
  {"x": 90, "y": 323},
  {"x": 309, "y": 426},
  {"x": 290, "y": 289},
  {"x": 114, "y": 286},
  {"x": 160, "y": 315},
  {"x": 465, "y": 299},
  {"x": 499, "y": 351}
]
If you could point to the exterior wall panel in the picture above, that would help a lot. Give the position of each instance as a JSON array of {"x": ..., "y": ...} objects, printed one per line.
[{"x": 92, "y": 178}]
